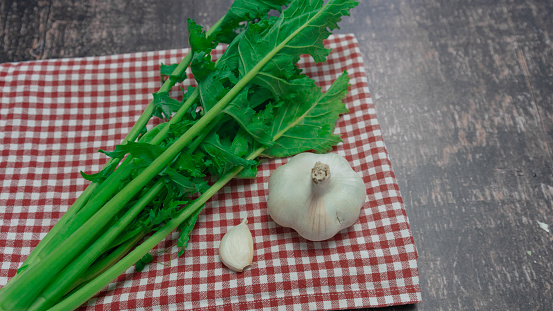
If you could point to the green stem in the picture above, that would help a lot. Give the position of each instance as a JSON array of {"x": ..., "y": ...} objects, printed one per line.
[
  {"x": 89, "y": 289},
  {"x": 66, "y": 278},
  {"x": 113, "y": 182},
  {"x": 108, "y": 187},
  {"x": 94, "y": 204},
  {"x": 84, "y": 293},
  {"x": 125, "y": 236},
  {"x": 52, "y": 248},
  {"x": 103, "y": 264},
  {"x": 90, "y": 189},
  {"x": 45, "y": 270},
  {"x": 198, "y": 140}
]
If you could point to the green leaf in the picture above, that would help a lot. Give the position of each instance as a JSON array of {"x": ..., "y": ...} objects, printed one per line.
[
  {"x": 166, "y": 71},
  {"x": 244, "y": 10},
  {"x": 165, "y": 105},
  {"x": 283, "y": 87},
  {"x": 141, "y": 264},
  {"x": 302, "y": 27},
  {"x": 210, "y": 81},
  {"x": 242, "y": 145},
  {"x": 193, "y": 164},
  {"x": 223, "y": 157},
  {"x": 230, "y": 60},
  {"x": 258, "y": 96},
  {"x": 144, "y": 151},
  {"x": 266, "y": 55},
  {"x": 308, "y": 125},
  {"x": 197, "y": 37},
  {"x": 100, "y": 176},
  {"x": 22, "y": 268},
  {"x": 185, "y": 229},
  {"x": 95, "y": 177},
  {"x": 202, "y": 65},
  {"x": 185, "y": 185},
  {"x": 240, "y": 110}
]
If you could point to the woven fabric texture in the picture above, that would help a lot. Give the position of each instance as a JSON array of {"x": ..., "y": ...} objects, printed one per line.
[{"x": 56, "y": 114}]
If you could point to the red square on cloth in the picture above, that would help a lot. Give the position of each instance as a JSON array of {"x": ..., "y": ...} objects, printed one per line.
[{"x": 56, "y": 114}]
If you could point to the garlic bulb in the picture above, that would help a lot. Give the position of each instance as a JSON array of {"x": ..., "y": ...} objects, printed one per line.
[
  {"x": 316, "y": 194},
  {"x": 236, "y": 247}
]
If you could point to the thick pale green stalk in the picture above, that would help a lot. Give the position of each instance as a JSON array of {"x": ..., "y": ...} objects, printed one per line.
[
  {"x": 80, "y": 296},
  {"x": 43, "y": 273},
  {"x": 90, "y": 189},
  {"x": 81, "y": 200},
  {"x": 77, "y": 205},
  {"x": 46, "y": 269},
  {"x": 97, "y": 201},
  {"x": 131, "y": 136},
  {"x": 104, "y": 190},
  {"x": 71, "y": 273},
  {"x": 114, "y": 256},
  {"x": 88, "y": 290},
  {"x": 93, "y": 205},
  {"x": 52, "y": 250}
]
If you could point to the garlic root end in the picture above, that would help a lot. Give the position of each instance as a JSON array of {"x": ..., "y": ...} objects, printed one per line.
[{"x": 320, "y": 172}]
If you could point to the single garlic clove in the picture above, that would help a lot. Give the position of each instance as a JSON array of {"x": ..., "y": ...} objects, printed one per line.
[{"x": 236, "y": 247}]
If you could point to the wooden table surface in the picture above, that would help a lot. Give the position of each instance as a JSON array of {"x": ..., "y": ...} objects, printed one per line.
[{"x": 464, "y": 94}]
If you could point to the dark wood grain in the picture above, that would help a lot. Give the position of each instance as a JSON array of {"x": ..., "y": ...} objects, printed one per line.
[{"x": 464, "y": 95}]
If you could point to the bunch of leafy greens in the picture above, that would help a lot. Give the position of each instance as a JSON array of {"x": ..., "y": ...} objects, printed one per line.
[{"x": 255, "y": 102}]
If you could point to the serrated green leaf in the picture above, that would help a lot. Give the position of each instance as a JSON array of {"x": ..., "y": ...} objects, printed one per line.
[
  {"x": 308, "y": 125},
  {"x": 300, "y": 29},
  {"x": 167, "y": 70},
  {"x": 240, "y": 110},
  {"x": 197, "y": 37},
  {"x": 144, "y": 151},
  {"x": 165, "y": 105},
  {"x": 210, "y": 81},
  {"x": 193, "y": 164},
  {"x": 222, "y": 156},
  {"x": 184, "y": 184},
  {"x": 244, "y": 11},
  {"x": 283, "y": 87},
  {"x": 185, "y": 229},
  {"x": 278, "y": 42},
  {"x": 202, "y": 65}
]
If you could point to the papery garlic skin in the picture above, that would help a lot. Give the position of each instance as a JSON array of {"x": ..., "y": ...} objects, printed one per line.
[
  {"x": 236, "y": 247},
  {"x": 317, "y": 210}
]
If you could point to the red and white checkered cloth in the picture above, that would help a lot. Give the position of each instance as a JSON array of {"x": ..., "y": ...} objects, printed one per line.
[{"x": 56, "y": 114}]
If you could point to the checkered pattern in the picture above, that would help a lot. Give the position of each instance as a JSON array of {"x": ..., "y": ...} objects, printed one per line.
[{"x": 56, "y": 114}]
